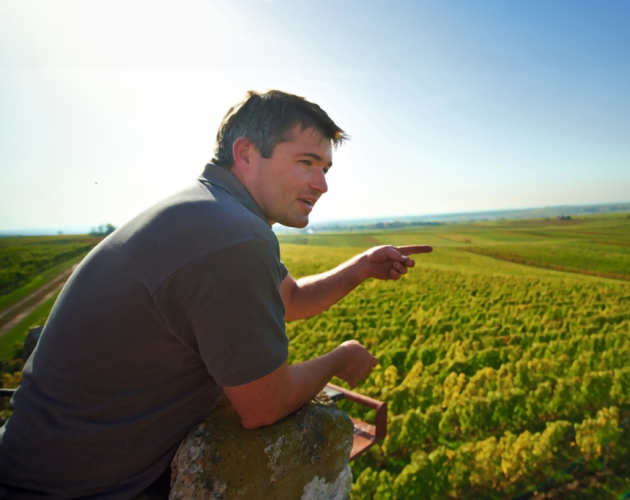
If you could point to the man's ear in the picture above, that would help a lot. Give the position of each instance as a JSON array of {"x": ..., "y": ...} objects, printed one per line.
[{"x": 243, "y": 152}]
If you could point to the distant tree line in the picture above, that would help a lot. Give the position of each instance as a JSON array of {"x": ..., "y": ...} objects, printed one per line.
[
  {"x": 102, "y": 230},
  {"x": 377, "y": 225}
]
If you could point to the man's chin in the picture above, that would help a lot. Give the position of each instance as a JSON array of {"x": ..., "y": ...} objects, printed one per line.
[
  {"x": 298, "y": 225},
  {"x": 296, "y": 222}
]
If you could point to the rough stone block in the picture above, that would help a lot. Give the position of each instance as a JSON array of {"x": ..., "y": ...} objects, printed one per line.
[{"x": 303, "y": 456}]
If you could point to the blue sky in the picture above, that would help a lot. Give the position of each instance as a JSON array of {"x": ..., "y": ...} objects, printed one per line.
[{"x": 453, "y": 106}]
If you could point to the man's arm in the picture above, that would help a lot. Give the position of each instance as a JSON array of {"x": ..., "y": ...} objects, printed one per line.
[
  {"x": 288, "y": 388},
  {"x": 313, "y": 294}
]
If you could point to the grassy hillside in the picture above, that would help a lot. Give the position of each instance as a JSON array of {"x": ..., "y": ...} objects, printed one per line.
[
  {"x": 24, "y": 258},
  {"x": 27, "y": 263}
]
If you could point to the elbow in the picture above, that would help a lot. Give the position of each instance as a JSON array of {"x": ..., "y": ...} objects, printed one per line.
[
  {"x": 259, "y": 420},
  {"x": 254, "y": 423},
  {"x": 251, "y": 424},
  {"x": 295, "y": 313},
  {"x": 291, "y": 311},
  {"x": 263, "y": 401},
  {"x": 292, "y": 316}
]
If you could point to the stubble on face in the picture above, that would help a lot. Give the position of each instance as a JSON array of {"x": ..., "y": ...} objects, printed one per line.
[{"x": 290, "y": 182}]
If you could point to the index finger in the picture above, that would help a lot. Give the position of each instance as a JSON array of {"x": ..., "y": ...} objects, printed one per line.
[{"x": 412, "y": 249}]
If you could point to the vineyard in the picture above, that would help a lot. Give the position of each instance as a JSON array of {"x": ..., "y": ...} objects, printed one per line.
[
  {"x": 503, "y": 357},
  {"x": 498, "y": 376}
]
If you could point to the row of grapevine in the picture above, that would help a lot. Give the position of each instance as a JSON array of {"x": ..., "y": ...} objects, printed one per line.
[{"x": 494, "y": 464}]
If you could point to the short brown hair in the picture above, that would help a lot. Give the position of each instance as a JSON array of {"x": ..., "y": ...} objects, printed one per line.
[{"x": 266, "y": 119}]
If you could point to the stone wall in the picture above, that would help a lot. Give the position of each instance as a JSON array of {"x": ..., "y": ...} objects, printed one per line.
[{"x": 304, "y": 456}]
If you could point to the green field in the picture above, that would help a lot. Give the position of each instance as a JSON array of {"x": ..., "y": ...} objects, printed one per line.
[
  {"x": 24, "y": 258},
  {"x": 38, "y": 281},
  {"x": 11, "y": 342},
  {"x": 498, "y": 375},
  {"x": 27, "y": 263},
  {"x": 503, "y": 356}
]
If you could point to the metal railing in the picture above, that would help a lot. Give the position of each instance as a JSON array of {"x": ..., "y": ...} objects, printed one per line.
[{"x": 365, "y": 435}]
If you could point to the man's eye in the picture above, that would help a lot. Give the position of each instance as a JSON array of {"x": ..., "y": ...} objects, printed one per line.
[
  {"x": 326, "y": 171},
  {"x": 308, "y": 163}
]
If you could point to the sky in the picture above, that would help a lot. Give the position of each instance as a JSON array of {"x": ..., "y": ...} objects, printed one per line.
[{"x": 107, "y": 107}]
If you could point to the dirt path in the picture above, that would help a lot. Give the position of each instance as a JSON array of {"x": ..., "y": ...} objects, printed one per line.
[{"x": 12, "y": 315}]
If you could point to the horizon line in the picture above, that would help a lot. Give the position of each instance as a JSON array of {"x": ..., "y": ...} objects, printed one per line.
[{"x": 49, "y": 231}]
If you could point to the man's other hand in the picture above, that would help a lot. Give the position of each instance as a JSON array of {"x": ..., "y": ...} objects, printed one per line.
[
  {"x": 287, "y": 388},
  {"x": 357, "y": 362},
  {"x": 389, "y": 262}
]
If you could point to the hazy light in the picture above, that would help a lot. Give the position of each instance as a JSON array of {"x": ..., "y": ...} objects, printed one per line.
[{"x": 107, "y": 107}]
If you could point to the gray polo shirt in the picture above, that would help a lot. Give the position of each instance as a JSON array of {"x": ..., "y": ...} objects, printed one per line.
[{"x": 181, "y": 301}]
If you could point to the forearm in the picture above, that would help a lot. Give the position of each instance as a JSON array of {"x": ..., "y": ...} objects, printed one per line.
[
  {"x": 288, "y": 388},
  {"x": 310, "y": 296},
  {"x": 309, "y": 378},
  {"x": 314, "y": 294}
]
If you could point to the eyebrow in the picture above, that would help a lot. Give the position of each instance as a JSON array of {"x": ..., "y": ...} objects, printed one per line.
[{"x": 315, "y": 157}]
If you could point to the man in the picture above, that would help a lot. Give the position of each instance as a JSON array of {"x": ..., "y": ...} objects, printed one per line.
[{"x": 185, "y": 302}]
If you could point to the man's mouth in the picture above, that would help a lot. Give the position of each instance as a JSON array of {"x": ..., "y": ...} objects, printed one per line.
[{"x": 310, "y": 203}]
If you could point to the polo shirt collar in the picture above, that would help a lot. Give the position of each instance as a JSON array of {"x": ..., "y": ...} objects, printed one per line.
[{"x": 223, "y": 178}]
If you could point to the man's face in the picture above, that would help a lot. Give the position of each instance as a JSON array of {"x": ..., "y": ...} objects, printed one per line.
[{"x": 287, "y": 185}]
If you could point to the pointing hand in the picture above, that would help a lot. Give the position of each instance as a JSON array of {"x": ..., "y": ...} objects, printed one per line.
[{"x": 389, "y": 262}]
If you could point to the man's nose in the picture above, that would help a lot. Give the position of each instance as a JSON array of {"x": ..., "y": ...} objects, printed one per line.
[{"x": 318, "y": 181}]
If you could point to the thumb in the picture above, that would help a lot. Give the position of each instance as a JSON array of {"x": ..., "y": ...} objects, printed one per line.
[{"x": 394, "y": 254}]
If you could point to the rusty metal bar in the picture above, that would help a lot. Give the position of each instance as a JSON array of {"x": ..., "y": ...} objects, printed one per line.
[{"x": 365, "y": 435}]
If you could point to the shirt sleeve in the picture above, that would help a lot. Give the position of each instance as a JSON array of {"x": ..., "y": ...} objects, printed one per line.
[{"x": 226, "y": 306}]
